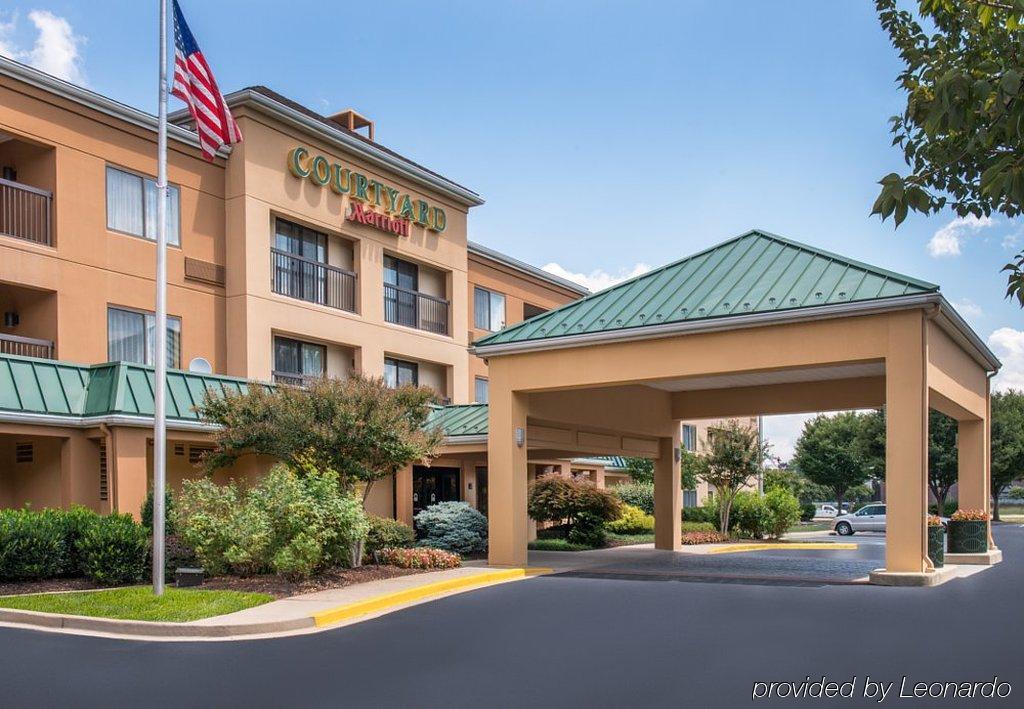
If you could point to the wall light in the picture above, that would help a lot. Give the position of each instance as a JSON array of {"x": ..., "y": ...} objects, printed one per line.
[
  {"x": 520, "y": 437},
  {"x": 11, "y": 319}
]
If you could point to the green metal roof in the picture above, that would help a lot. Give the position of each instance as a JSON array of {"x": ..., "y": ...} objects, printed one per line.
[
  {"x": 460, "y": 420},
  {"x": 756, "y": 272},
  {"x": 610, "y": 462},
  {"x": 53, "y": 388}
]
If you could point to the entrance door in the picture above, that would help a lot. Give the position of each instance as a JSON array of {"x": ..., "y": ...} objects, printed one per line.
[
  {"x": 433, "y": 485},
  {"x": 481, "y": 490}
]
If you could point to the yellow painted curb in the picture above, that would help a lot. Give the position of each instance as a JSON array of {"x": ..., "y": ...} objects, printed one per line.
[
  {"x": 733, "y": 548},
  {"x": 388, "y": 600}
]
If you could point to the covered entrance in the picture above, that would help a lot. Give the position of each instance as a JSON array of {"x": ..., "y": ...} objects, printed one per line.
[
  {"x": 757, "y": 325},
  {"x": 431, "y": 485}
]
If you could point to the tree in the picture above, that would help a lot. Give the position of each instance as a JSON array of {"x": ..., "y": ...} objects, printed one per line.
[
  {"x": 734, "y": 459},
  {"x": 640, "y": 469},
  {"x": 943, "y": 466},
  {"x": 691, "y": 466},
  {"x": 960, "y": 131},
  {"x": 358, "y": 427},
  {"x": 1007, "y": 442},
  {"x": 828, "y": 453}
]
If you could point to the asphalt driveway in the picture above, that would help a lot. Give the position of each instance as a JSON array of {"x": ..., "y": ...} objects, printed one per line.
[{"x": 560, "y": 641}]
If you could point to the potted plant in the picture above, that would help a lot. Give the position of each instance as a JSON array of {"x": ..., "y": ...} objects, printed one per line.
[
  {"x": 936, "y": 541},
  {"x": 968, "y": 532}
]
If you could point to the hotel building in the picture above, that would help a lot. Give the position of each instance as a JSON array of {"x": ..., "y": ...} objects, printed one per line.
[{"x": 308, "y": 250}]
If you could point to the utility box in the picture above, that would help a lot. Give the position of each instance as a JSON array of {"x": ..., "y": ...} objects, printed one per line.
[{"x": 186, "y": 577}]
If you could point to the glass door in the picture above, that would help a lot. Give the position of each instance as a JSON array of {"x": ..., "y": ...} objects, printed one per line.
[{"x": 433, "y": 485}]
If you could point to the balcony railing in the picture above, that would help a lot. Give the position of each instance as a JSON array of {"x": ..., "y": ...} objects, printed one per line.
[
  {"x": 313, "y": 281},
  {"x": 25, "y": 212},
  {"x": 293, "y": 379},
  {"x": 26, "y": 346},
  {"x": 414, "y": 309}
]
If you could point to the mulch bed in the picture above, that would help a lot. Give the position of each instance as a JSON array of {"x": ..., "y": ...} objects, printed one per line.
[{"x": 276, "y": 586}]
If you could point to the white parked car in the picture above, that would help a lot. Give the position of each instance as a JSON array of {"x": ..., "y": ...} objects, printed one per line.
[
  {"x": 826, "y": 511},
  {"x": 869, "y": 518}
]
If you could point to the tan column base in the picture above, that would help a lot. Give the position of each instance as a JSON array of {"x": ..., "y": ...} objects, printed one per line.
[
  {"x": 989, "y": 558},
  {"x": 881, "y": 577}
]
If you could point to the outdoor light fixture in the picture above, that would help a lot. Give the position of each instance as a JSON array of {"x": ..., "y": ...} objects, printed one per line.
[
  {"x": 520, "y": 437},
  {"x": 677, "y": 454},
  {"x": 11, "y": 319}
]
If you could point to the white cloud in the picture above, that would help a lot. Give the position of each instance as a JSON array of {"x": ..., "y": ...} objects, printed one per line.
[
  {"x": 1008, "y": 344},
  {"x": 1011, "y": 241},
  {"x": 968, "y": 308},
  {"x": 948, "y": 240},
  {"x": 783, "y": 432},
  {"x": 598, "y": 279},
  {"x": 56, "y": 49}
]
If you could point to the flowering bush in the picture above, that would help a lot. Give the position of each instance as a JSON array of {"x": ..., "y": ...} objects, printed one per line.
[
  {"x": 704, "y": 538},
  {"x": 970, "y": 516},
  {"x": 633, "y": 520},
  {"x": 420, "y": 558},
  {"x": 934, "y": 521}
]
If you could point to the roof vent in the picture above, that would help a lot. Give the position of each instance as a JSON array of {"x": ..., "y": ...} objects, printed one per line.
[{"x": 354, "y": 121}]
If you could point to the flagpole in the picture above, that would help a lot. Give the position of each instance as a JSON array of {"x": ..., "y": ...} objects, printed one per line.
[{"x": 160, "y": 348}]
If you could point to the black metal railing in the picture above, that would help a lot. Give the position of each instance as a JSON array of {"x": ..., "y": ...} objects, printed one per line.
[
  {"x": 414, "y": 309},
  {"x": 25, "y": 212},
  {"x": 26, "y": 346},
  {"x": 313, "y": 281},
  {"x": 294, "y": 379}
]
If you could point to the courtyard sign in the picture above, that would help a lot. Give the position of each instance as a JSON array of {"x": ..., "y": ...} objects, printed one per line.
[{"x": 399, "y": 209}]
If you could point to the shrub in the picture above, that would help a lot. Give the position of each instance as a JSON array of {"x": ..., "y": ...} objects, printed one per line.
[
  {"x": 708, "y": 512},
  {"x": 704, "y": 538},
  {"x": 386, "y": 533},
  {"x": 807, "y": 510},
  {"x": 420, "y": 558},
  {"x": 556, "y": 545},
  {"x": 452, "y": 526},
  {"x": 698, "y": 527},
  {"x": 588, "y": 530},
  {"x": 146, "y": 513},
  {"x": 558, "y": 531},
  {"x": 633, "y": 520},
  {"x": 597, "y": 502},
  {"x": 552, "y": 498},
  {"x": 1015, "y": 493},
  {"x": 288, "y": 524},
  {"x": 113, "y": 549},
  {"x": 31, "y": 545},
  {"x": 640, "y": 495},
  {"x": 783, "y": 511},
  {"x": 934, "y": 521},
  {"x": 947, "y": 509},
  {"x": 72, "y": 523},
  {"x": 750, "y": 514},
  {"x": 970, "y": 516}
]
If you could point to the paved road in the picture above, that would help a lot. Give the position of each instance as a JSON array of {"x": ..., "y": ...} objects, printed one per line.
[{"x": 562, "y": 642}]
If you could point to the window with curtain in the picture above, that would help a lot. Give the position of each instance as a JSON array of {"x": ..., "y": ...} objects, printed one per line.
[
  {"x": 131, "y": 206},
  {"x": 689, "y": 437},
  {"x": 131, "y": 337},
  {"x": 488, "y": 309},
  {"x": 297, "y": 358},
  {"x": 480, "y": 390},
  {"x": 398, "y": 372}
]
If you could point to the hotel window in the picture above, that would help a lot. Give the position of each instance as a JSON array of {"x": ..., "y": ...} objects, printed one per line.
[
  {"x": 131, "y": 206},
  {"x": 131, "y": 337},
  {"x": 480, "y": 390},
  {"x": 689, "y": 437},
  {"x": 398, "y": 372},
  {"x": 532, "y": 311},
  {"x": 488, "y": 310},
  {"x": 401, "y": 282},
  {"x": 296, "y": 362}
]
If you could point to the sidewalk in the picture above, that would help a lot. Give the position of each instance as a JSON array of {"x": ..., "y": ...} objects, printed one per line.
[{"x": 297, "y": 614}]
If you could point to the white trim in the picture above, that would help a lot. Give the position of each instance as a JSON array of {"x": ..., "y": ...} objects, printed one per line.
[
  {"x": 464, "y": 440},
  {"x": 72, "y": 421},
  {"x": 365, "y": 150},
  {"x": 97, "y": 102},
  {"x": 952, "y": 323}
]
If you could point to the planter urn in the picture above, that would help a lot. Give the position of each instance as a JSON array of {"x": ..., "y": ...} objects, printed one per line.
[
  {"x": 937, "y": 545},
  {"x": 968, "y": 536}
]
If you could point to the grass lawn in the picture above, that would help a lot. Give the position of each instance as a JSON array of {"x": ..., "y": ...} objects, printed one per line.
[
  {"x": 139, "y": 603},
  {"x": 811, "y": 527},
  {"x": 556, "y": 545},
  {"x": 626, "y": 539}
]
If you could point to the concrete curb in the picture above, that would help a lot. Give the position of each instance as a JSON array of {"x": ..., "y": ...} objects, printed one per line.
[
  {"x": 188, "y": 631},
  {"x": 144, "y": 628},
  {"x": 799, "y": 546}
]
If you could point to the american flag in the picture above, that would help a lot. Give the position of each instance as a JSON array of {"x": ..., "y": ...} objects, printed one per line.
[{"x": 194, "y": 84}]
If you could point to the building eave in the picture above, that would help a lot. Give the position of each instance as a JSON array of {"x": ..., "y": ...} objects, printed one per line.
[
  {"x": 365, "y": 150},
  {"x": 97, "y": 102},
  {"x": 27, "y": 417},
  {"x": 950, "y": 321},
  {"x": 523, "y": 267}
]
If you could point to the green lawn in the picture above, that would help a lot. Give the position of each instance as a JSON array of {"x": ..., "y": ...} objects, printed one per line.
[
  {"x": 623, "y": 539},
  {"x": 139, "y": 603},
  {"x": 811, "y": 527},
  {"x": 556, "y": 545}
]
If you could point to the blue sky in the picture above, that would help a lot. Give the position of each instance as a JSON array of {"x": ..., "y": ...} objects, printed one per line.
[{"x": 606, "y": 136}]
